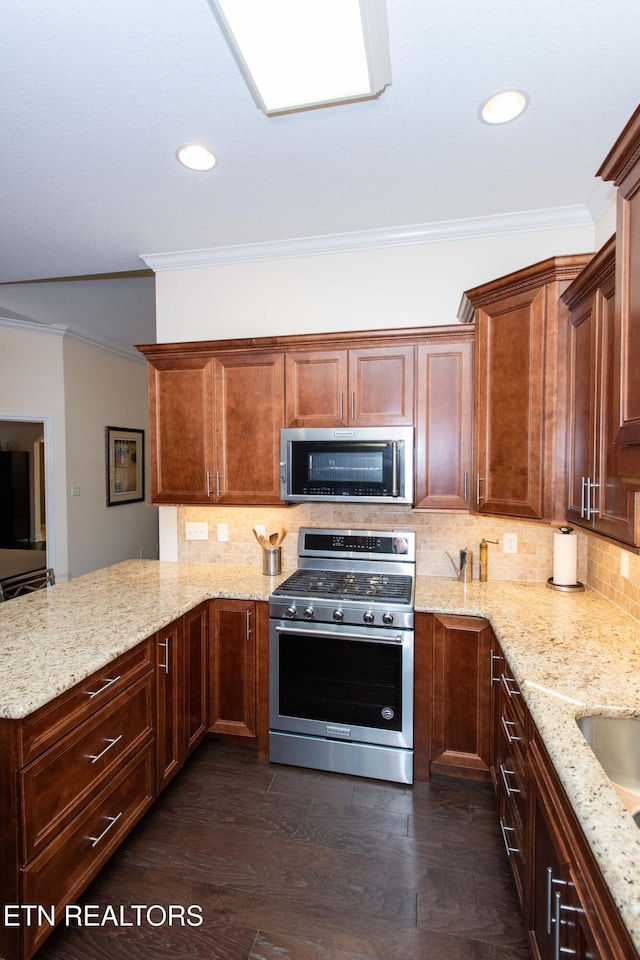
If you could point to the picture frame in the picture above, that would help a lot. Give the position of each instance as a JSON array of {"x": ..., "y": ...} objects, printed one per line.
[{"x": 125, "y": 465}]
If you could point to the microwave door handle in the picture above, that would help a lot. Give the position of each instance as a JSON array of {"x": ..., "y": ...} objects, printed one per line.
[
  {"x": 394, "y": 468},
  {"x": 283, "y": 471}
]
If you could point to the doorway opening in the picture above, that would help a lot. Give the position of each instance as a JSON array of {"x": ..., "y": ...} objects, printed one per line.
[{"x": 25, "y": 528}]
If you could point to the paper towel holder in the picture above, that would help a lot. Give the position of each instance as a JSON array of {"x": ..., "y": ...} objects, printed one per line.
[{"x": 566, "y": 587}]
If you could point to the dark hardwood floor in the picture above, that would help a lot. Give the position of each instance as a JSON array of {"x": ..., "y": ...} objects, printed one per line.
[{"x": 300, "y": 864}]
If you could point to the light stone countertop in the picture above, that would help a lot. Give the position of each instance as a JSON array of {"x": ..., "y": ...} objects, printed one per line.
[{"x": 572, "y": 654}]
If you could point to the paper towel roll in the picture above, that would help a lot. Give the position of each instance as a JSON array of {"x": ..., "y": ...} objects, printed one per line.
[{"x": 565, "y": 559}]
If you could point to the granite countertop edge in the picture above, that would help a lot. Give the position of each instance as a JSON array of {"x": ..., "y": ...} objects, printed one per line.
[{"x": 571, "y": 654}]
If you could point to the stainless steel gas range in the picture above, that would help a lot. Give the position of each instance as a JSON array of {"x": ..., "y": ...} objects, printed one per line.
[{"x": 341, "y": 655}]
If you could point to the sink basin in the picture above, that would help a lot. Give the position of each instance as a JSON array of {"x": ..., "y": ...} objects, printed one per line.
[{"x": 616, "y": 744}]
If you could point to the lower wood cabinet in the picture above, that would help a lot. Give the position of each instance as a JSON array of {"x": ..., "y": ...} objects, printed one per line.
[
  {"x": 75, "y": 777},
  {"x": 452, "y": 696},
  {"x": 509, "y": 766},
  {"x": 182, "y": 653},
  {"x": 232, "y": 668},
  {"x": 569, "y": 909},
  {"x": 471, "y": 721},
  {"x": 59, "y": 874}
]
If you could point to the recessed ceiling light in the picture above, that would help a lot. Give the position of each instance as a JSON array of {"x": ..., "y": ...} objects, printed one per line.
[
  {"x": 196, "y": 157},
  {"x": 504, "y": 107}
]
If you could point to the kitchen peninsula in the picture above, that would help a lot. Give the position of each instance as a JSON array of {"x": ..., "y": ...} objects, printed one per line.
[{"x": 570, "y": 655}]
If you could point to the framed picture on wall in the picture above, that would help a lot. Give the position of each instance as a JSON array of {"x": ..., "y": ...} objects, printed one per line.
[{"x": 125, "y": 465}]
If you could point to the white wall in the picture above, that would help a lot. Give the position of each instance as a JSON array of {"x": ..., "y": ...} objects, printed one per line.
[
  {"x": 418, "y": 284},
  {"x": 32, "y": 388},
  {"x": 395, "y": 286},
  {"x": 77, "y": 390},
  {"x": 103, "y": 390}
]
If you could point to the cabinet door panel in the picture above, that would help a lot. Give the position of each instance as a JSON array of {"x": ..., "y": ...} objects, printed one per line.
[
  {"x": 181, "y": 425},
  {"x": 381, "y": 387},
  {"x": 598, "y": 499},
  {"x": 196, "y": 678},
  {"x": 316, "y": 388},
  {"x": 510, "y": 407},
  {"x": 169, "y": 703},
  {"x": 249, "y": 415},
  {"x": 628, "y": 267},
  {"x": 232, "y": 666},
  {"x": 444, "y": 413},
  {"x": 582, "y": 364},
  {"x": 461, "y": 730},
  {"x": 616, "y": 515}
]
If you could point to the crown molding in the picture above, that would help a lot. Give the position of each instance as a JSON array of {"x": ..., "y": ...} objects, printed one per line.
[
  {"x": 59, "y": 331},
  {"x": 554, "y": 218}
]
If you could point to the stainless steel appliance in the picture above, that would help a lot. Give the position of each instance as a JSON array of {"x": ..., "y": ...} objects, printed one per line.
[
  {"x": 341, "y": 655},
  {"x": 367, "y": 464}
]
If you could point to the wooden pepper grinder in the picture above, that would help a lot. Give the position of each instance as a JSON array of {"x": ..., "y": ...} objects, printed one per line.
[{"x": 484, "y": 559}]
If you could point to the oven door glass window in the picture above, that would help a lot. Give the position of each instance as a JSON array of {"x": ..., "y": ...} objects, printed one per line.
[{"x": 341, "y": 681}]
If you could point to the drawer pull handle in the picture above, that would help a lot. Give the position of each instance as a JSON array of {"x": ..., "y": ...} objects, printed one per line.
[
  {"x": 558, "y": 907},
  {"x": 166, "y": 647},
  {"x": 505, "y": 683},
  {"x": 505, "y": 829},
  {"x": 112, "y": 821},
  {"x": 508, "y": 773},
  {"x": 110, "y": 743},
  {"x": 107, "y": 684},
  {"x": 505, "y": 726},
  {"x": 493, "y": 658}
]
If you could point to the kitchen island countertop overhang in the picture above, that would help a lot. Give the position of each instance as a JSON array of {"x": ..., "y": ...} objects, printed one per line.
[{"x": 570, "y": 654}]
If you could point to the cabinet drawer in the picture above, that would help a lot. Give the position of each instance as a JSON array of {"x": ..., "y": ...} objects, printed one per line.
[
  {"x": 59, "y": 874},
  {"x": 57, "y": 783},
  {"x": 55, "y": 719}
]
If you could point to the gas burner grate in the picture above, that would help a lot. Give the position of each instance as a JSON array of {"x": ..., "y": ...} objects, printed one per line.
[{"x": 380, "y": 588}]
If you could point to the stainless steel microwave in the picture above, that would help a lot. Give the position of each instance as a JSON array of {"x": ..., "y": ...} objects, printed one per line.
[{"x": 364, "y": 464}]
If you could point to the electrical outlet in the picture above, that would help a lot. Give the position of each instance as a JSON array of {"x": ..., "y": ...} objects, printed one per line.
[
  {"x": 624, "y": 564},
  {"x": 223, "y": 531},
  {"x": 75, "y": 489},
  {"x": 510, "y": 543},
  {"x": 196, "y": 531},
  {"x": 260, "y": 529}
]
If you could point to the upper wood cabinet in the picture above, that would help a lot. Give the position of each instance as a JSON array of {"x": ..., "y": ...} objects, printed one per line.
[
  {"x": 181, "y": 428},
  {"x": 215, "y": 424},
  {"x": 216, "y": 408},
  {"x": 520, "y": 385},
  {"x": 357, "y": 387},
  {"x": 597, "y": 496},
  {"x": 622, "y": 166},
  {"x": 249, "y": 415},
  {"x": 444, "y": 418}
]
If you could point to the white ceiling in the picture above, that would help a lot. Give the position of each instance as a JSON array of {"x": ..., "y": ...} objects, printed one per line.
[{"x": 97, "y": 95}]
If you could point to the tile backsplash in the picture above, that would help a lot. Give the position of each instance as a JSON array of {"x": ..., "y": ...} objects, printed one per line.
[
  {"x": 436, "y": 533},
  {"x": 599, "y": 562}
]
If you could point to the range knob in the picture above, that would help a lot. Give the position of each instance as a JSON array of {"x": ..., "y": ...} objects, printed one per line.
[
  {"x": 290, "y": 612},
  {"x": 387, "y": 619},
  {"x": 338, "y": 616},
  {"x": 308, "y": 612},
  {"x": 368, "y": 617}
]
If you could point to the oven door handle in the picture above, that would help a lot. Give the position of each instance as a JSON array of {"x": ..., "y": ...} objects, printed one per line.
[{"x": 395, "y": 638}]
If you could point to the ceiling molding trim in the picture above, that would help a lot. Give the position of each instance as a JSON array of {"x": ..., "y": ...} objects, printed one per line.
[
  {"x": 554, "y": 218},
  {"x": 59, "y": 331}
]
